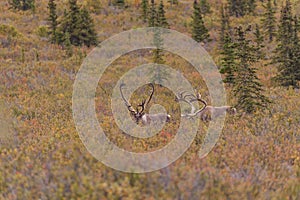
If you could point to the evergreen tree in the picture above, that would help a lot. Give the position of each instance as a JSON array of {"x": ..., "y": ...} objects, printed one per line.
[
  {"x": 161, "y": 19},
  {"x": 53, "y": 20},
  {"x": 87, "y": 34},
  {"x": 158, "y": 19},
  {"x": 152, "y": 15},
  {"x": 287, "y": 51},
  {"x": 70, "y": 23},
  {"x": 296, "y": 52},
  {"x": 259, "y": 43},
  {"x": 145, "y": 9},
  {"x": 247, "y": 87},
  {"x": 250, "y": 6},
  {"x": 79, "y": 25},
  {"x": 199, "y": 31},
  {"x": 228, "y": 60},
  {"x": 22, "y": 4},
  {"x": 159, "y": 74},
  {"x": 240, "y": 8},
  {"x": 205, "y": 7},
  {"x": 237, "y": 8},
  {"x": 297, "y": 24},
  {"x": 269, "y": 21},
  {"x": 225, "y": 26}
]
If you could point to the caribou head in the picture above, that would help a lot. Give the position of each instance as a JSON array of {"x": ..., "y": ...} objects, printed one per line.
[
  {"x": 139, "y": 113},
  {"x": 189, "y": 98},
  {"x": 206, "y": 112}
]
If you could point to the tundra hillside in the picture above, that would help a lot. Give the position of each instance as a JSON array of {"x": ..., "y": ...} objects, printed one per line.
[{"x": 41, "y": 49}]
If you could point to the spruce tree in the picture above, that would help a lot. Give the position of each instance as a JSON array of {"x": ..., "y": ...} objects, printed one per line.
[
  {"x": 205, "y": 7},
  {"x": 228, "y": 60},
  {"x": 22, "y": 4},
  {"x": 225, "y": 26},
  {"x": 161, "y": 19},
  {"x": 237, "y": 8},
  {"x": 269, "y": 21},
  {"x": 79, "y": 25},
  {"x": 259, "y": 42},
  {"x": 199, "y": 31},
  {"x": 145, "y": 5},
  {"x": 296, "y": 52},
  {"x": 240, "y": 8},
  {"x": 158, "y": 19},
  {"x": 250, "y": 6},
  {"x": 74, "y": 22},
  {"x": 152, "y": 20},
  {"x": 247, "y": 87},
  {"x": 297, "y": 24},
  {"x": 287, "y": 51},
  {"x": 87, "y": 34},
  {"x": 53, "y": 20}
]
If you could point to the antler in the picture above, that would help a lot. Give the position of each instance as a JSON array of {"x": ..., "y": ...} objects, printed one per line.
[
  {"x": 193, "y": 98},
  {"x": 136, "y": 112},
  {"x": 144, "y": 104},
  {"x": 180, "y": 97},
  {"x": 152, "y": 86},
  {"x": 129, "y": 107}
]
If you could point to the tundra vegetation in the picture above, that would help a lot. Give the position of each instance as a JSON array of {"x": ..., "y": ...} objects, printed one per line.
[{"x": 42, "y": 45}]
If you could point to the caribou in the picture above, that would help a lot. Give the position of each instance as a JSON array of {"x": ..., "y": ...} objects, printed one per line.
[
  {"x": 139, "y": 113},
  {"x": 206, "y": 112},
  {"x": 183, "y": 98}
]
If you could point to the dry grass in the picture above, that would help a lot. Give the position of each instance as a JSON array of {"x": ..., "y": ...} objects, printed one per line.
[{"x": 257, "y": 156}]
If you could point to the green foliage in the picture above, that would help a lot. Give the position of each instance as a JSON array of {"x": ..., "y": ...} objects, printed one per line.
[
  {"x": 9, "y": 30},
  {"x": 199, "y": 31},
  {"x": 52, "y": 20},
  {"x": 259, "y": 39},
  {"x": 79, "y": 25},
  {"x": 152, "y": 17},
  {"x": 157, "y": 16},
  {"x": 225, "y": 25},
  {"x": 158, "y": 19},
  {"x": 269, "y": 20},
  {"x": 228, "y": 60},
  {"x": 161, "y": 19},
  {"x": 287, "y": 51},
  {"x": 68, "y": 45},
  {"x": 145, "y": 5},
  {"x": 240, "y": 8},
  {"x": 42, "y": 31},
  {"x": 22, "y": 4},
  {"x": 205, "y": 7},
  {"x": 247, "y": 87}
]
